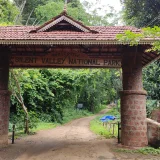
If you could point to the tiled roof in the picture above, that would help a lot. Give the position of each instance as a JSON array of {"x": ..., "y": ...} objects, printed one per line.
[
  {"x": 23, "y": 33},
  {"x": 47, "y": 34}
]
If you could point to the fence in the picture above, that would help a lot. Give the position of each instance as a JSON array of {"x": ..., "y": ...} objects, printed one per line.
[{"x": 114, "y": 128}]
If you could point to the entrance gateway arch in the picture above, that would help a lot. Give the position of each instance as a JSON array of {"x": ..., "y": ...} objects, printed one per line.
[{"x": 64, "y": 42}]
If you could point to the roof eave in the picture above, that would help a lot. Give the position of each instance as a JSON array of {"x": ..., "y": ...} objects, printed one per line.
[{"x": 71, "y": 42}]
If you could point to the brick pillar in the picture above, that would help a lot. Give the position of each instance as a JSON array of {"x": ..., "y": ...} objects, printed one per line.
[
  {"x": 4, "y": 99},
  {"x": 133, "y": 102}
]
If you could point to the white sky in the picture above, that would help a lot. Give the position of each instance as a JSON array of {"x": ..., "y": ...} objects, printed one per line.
[{"x": 114, "y": 3}]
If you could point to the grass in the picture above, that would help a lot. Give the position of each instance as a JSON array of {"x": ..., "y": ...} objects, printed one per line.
[
  {"x": 106, "y": 130},
  {"x": 44, "y": 126},
  {"x": 98, "y": 128},
  {"x": 71, "y": 114},
  {"x": 145, "y": 150},
  {"x": 99, "y": 108},
  {"x": 40, "y": 126}
]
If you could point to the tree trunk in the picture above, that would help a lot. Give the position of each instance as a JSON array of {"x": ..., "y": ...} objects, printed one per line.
[
  {"x": 19, "y": 97},
  {"x": 26, "y": 129}
]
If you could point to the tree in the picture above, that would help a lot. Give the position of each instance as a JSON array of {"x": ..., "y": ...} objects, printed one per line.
[
  {"x": 16, "y": 91},
  {"x": 152, "y": 80},
  {"x": 8, "y": 12},
  {"x": 76, "y": 10},
  {"x": 141, "y": 13},
  {"x": 27, "y": 8},
  {"x": 52, "y": 9},
  {"x": 40, "y": 11},
  {"x": 109, "y": 18},
  {"x": 50, "y": 92}
]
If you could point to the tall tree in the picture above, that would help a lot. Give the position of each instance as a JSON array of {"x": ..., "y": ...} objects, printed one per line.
[
  {"x": 8, "y": 11},
  {"x": 152, "y": 80},
  {"x": 27, "y": 8},
  {"x": 52, "y": 8},
  {"x": 16, "y": 91},
  {"x": 77, "y": 10},
  {"x": 141, "y": 13}
]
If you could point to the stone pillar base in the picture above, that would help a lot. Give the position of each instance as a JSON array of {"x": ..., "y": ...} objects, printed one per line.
[
  {"x": 4, "y": 116},
  {"x": 133, "y": 118}
]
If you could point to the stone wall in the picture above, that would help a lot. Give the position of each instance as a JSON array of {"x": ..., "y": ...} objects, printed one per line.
[
  {"x": 156, "y": 115},
  {"x": 153, "y": 130}
]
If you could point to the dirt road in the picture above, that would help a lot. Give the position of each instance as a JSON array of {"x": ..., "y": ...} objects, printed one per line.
[{"x": 73, "y": 141}]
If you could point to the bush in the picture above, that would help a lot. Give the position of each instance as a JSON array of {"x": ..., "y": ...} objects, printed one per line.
[
  {"x": 19, "y": 120},
  {"x": 151, "y": 105},
  {"x": 43, "y": 117},
  {"x": 33, "y": 120},
  {"x": 70, "y": 114}
]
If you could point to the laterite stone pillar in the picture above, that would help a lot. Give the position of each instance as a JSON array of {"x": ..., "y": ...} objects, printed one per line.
[
  {"x": 133, "y": 102},
  {"x": 4, "y": 99}
]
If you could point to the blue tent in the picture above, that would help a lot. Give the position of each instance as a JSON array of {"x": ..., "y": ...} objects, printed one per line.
[{"x": 107, "y": 118}]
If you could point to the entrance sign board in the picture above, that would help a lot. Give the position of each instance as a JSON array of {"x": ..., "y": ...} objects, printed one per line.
[{"x": 64, "y": 60}]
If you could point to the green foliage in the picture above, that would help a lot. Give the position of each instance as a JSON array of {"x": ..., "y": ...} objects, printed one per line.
[
  {"x": 39, "y": 126},
  {"x": 6, "y": 24},
  {"x": 141, "y": 13},
  {"x": 151, "y": 106},
  {"x": 33, "y": 119},
  {"x": 48, "y": 11},
  {"x": 109, "y": 18},
  {"x": 18, "y": 120},
  {"x": 153, "y": 33},
  {"x": 71, "y": 114},
  {"x": 133, "y": 38},
  {"x": 8, "y": 12},
  {"x": 151, "y": 80},
  {"x": 114, "y": 111},
  {"x": 40, "y": 11},
  {"x": 130, "y": 37},
  {"x": 50, "y": 93},
  {"x": 95, "y": 93},
  {"x": 101, "y": 107},
  {"x": 145, "y": 150},
  {"x": 43, "y": 126},
  {"x": 10, "y": 127},
  {"x": 28, "y": 15},
  {"x": 44, "y": 117},
  {"x": 29, "y": 12}
]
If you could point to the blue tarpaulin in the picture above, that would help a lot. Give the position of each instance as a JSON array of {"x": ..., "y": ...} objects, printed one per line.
[{"x": 107, "y": 118}]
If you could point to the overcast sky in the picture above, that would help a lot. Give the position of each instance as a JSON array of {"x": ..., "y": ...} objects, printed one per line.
[{"x": 115, "y": 3}]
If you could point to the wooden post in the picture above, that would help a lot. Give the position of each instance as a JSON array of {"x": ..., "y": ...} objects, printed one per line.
[{"x": 13, "y": 133}]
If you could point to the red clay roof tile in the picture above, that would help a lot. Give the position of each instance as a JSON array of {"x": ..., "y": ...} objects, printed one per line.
[{"x": 23, "y": 33}]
